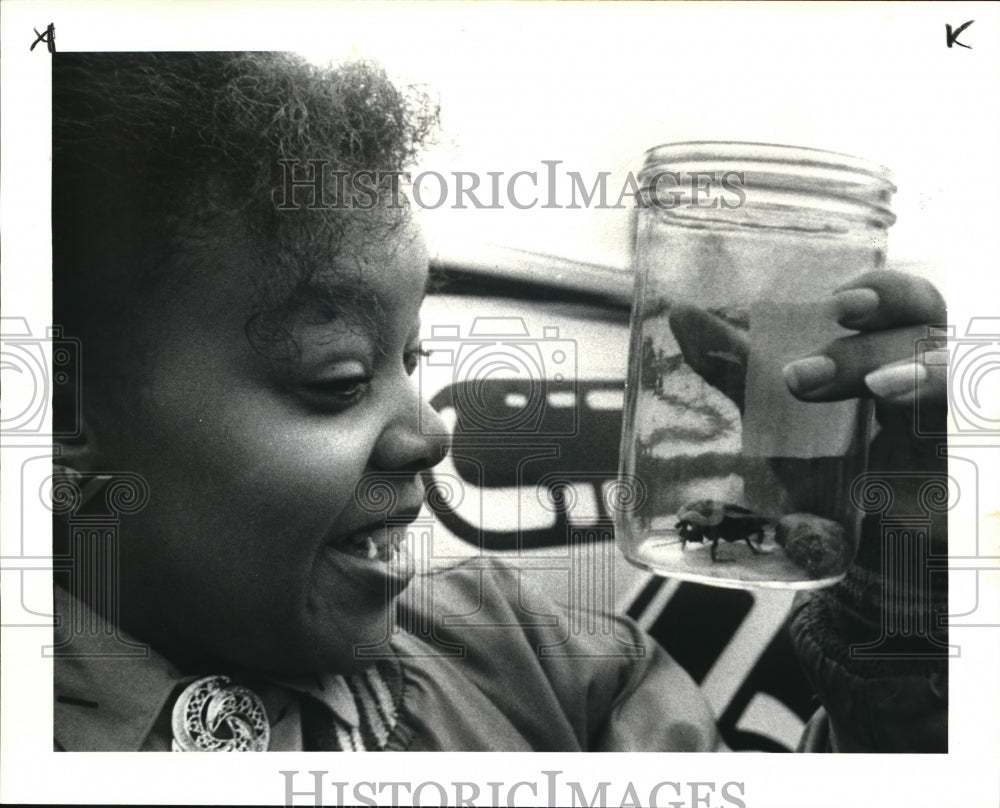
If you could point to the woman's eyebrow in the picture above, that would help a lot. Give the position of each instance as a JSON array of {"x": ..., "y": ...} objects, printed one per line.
[{"x": 325, "y": 298}]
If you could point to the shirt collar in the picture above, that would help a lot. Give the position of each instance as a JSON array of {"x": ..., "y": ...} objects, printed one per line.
[
  {"x": 331, "y": 690},
  {"x": 110, "y": 689}
]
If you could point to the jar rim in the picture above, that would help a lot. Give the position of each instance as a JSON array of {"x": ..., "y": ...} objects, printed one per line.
[
  {"x": 801, "y": 156},
  {"x": 783, "y": 176}
]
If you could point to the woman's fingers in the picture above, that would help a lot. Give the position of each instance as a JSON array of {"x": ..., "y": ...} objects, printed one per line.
[
  {"x": 715, "y": 350},
  {"x": 898, "y": 367},
  {"x": 902, "y": 383},
  {"x": 883, "y": 300},
  {"x": 892, "y": 358}
]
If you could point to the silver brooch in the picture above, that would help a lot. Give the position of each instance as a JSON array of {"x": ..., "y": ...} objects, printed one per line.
[{"x": 214, "y": 715}]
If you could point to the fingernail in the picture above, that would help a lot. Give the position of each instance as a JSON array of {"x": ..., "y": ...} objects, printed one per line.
[
  {"x": 855, "y": 305},
  {"x": 896, "y": 380},
  {"x": 807, "y": 374},
  {"x": 938, "y": 358}
]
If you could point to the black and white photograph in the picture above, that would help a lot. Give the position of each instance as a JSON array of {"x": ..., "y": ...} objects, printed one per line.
[{"x": 521, "y": 379}]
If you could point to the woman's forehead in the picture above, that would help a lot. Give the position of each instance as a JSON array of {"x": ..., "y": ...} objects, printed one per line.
[
  {"x": 251, "y": 309},
  {"x": 324, "y": 258},
  {"x": 369, "y": 259}
]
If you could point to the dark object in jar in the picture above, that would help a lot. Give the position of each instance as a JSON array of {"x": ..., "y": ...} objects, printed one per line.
[
  {"x": 817, "y": 545},
  {"x": 713, "y": 520}
]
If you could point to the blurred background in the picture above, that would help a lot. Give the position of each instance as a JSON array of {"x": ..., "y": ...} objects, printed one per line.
[{"x": 595, "y": 85}]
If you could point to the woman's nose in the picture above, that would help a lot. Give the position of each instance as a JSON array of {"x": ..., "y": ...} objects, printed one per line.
[{"x": 416, "y": 439}]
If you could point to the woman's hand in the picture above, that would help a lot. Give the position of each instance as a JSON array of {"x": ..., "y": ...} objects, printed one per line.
[
  {"x": 890, "y": 358},
  {"x": 891, "y": 312}
]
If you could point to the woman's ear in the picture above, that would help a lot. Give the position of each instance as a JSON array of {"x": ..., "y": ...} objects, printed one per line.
[
  {"x": 78, "y": 452},
  {"x": 76, "y": 462}
]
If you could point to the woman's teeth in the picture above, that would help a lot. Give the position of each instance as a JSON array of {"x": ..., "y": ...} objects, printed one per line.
[{"x": 365, "y": 546}]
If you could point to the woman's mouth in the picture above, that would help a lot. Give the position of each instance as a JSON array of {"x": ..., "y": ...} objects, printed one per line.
[
  {"x": 377, "y": 543},
  {"x": 375, "y": 552}
]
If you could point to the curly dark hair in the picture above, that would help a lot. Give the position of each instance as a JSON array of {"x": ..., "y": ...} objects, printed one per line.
[{"x": 150, "y": 146}]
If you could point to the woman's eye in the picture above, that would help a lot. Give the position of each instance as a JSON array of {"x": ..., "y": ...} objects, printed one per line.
[
  {"x": 411, "y": 358},
  {"x": 339, "y": 393}
]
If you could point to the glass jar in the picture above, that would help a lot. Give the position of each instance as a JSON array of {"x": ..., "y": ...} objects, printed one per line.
[{"x": 739, "y": 248}]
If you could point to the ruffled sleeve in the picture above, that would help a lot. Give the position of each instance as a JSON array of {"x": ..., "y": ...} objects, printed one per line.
[{"x": 875, "y": 649}]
